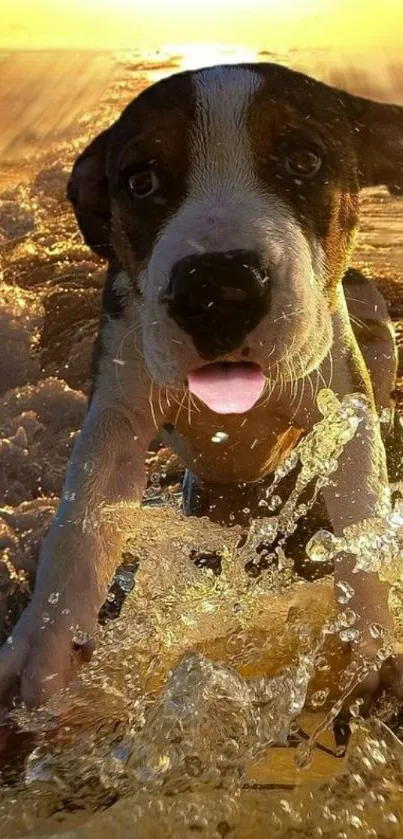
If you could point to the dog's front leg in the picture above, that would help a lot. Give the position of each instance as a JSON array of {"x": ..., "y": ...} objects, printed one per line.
[
  {"x": 78, "y": 556},
  {"x": 356, "y": 495}
]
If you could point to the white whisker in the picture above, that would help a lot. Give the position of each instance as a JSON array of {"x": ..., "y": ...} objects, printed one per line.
[
  {"x": 151, "y": 403},
  {"x": 181, "y": 405}
]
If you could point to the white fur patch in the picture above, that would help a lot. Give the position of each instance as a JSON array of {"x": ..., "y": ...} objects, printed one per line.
[
  {"x": 220, "y": 147},
  {"x": 227, "y": 207}
]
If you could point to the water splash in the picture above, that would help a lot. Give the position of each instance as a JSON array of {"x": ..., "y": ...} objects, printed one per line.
[
  {"x": 209, "y": 722},
  {"x": 205, "y": 675}
]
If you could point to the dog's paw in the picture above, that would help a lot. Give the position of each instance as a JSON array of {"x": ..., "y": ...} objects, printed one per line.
[
  {"x": 38, "y": 659},
  {"x": 367, "y": 690},
  {"x": 388, "y": 678}
]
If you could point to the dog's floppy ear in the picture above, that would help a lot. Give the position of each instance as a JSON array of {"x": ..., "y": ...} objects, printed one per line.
[
  {"x": 88, "y": 192},
  {"x": 379, "y": 135}
]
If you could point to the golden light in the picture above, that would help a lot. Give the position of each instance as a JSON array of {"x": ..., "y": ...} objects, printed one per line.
[
  {"x": 206, "y": 55},
  {"x": 146, "y": 24}
]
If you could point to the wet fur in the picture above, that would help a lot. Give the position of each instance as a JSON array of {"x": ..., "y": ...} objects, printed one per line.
[{"x": 217, "y": 136}]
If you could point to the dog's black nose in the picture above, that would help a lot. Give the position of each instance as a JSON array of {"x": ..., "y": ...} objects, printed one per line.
[{"x": 218, "y": 298}]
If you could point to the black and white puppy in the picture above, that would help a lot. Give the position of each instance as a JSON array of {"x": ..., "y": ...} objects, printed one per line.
[{"x": 226, "y": 202}]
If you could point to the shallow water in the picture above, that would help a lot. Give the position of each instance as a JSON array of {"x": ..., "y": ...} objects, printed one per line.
[{"x": 195, "y": 714}]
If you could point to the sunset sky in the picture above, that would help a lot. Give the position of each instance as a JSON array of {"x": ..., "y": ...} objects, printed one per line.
[{"x": 145, "y": 24}]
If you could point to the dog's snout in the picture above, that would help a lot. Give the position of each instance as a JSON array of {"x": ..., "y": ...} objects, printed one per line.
[{"x": 218, "y": 298}]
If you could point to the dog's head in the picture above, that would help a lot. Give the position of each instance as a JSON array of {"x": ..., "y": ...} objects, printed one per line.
[{"x": 229, "y": 196}]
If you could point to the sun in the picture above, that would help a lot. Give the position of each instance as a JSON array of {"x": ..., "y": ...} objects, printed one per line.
[{"x": 207, "y": 55}]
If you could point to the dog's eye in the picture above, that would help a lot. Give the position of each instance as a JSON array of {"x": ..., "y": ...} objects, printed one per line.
[
  {"x": 143, "y": 183},
  {"x": 303, "y": 163}
]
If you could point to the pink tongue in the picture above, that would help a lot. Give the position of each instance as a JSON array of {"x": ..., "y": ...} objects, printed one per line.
[{"x": 228, "y": 388}]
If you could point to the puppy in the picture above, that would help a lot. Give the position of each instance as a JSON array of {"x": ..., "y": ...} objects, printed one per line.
[{"x": 226, "y": 202}]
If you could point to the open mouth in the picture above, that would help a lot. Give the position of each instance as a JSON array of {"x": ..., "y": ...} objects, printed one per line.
[{"x": 228, "y": 387}]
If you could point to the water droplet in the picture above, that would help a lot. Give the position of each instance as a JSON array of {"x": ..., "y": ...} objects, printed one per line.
[
  {"x": 323, "y": 546},
  {"x": 356, "y": 822},
  {"x": 392, "y": 818},
  {"x": 79, "y": 637},
  {"x": 125, "y": 580},
  {"x": 69, "y": 495},
  {"x": 347, "y": 618},
  {"x": 377, "y": 756},
  {"x": 346, "y": 635},
  {"x": 304, "y": 755},
  {"x": 358, "y": 401},
  {"x": 53, "y": 598},
  {"x": 319, "y": 697},
  {"x": 328, "y": 814},
  {"x": 322, "y": 664},
  {"x": 377, "y": 631},
  {"x": 355, "y": 708},
  {"x": 274, "y": 502},
  {"x": 345, "y": 592},
  {"x": 219, "y": 437}
]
